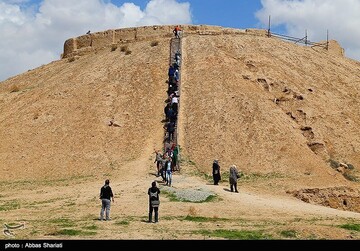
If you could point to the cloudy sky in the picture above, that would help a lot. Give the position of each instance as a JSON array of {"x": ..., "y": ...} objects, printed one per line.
[{"x": 33, "y": 31}]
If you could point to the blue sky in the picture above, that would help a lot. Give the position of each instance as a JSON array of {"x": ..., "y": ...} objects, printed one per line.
[
  {"x": 227, "y": 13},
  {"x": 33, "y": 31},
  {"x": 234, "y": 14}
]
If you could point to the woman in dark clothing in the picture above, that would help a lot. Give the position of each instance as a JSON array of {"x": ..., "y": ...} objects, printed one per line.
[
  {"x": 216, "y": 172},
  {"x": 106, "y": 195},
  {"x": 154, "y": 201}
]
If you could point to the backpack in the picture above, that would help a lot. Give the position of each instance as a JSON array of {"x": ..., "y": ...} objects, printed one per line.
[
  {"x": 154, "y": 199},
  {"x": 153, "y": 196}
]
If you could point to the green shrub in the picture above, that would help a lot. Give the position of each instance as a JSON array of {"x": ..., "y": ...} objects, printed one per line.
[
  {"x": 353, "y": 227},
  {"x": 10, "y": 205},
  {"x": 288, "y": 233},
  {"x": 334, "y": 164},
  {"x": 235, "y": 234},
  {"x": 92, "y": 227},
  {"x": 351, "y": 167},
  {"x": 350, "y": 177},
  {"x": 124, "y": 223},
  {"x": 73, "y": 232}
]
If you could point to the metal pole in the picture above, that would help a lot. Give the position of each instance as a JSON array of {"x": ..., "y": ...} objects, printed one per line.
[
  {"x": 269, "y": 26},
  {"x": 327, "y": 40}
]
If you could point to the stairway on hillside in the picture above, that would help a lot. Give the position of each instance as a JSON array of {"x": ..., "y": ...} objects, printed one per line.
[{"x": 175, "y": 47}]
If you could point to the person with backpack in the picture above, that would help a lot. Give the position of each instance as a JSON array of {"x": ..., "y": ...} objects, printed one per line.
[
  {"x": 105, "y": 195},
  {"x": 154, "y": 201}
]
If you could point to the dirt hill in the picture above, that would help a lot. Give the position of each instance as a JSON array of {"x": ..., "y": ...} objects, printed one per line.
[{"x": 285, "y": 114}]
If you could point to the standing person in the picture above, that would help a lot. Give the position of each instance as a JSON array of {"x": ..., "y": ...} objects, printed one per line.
[
  {"x": 105, "y": 195},
  {"x": 158, "y": 160},
  {"x": 177, "y": 75},
  {"x": 176, "y": 31},
  {"x": 234, "y": 175},
  {"x": 175, "y": 158},
  {"x": 166, "y": 111},
  {"x": 154, "y": 201},
  {"x": 175, "y": 103},
  {"x": 171, "y": 73},
  {"x": 216, "y": 172},
  {"x": 170, "y": 128},
  {"x": 168, "y": 172},
  {"x": 163, "y": 169},
  {"x": 177, "y": 58}
]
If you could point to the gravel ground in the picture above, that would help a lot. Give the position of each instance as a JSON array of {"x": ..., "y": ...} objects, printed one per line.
[
  {"x": 193, "y": 195},
  {"x": 183, "y": 190}
]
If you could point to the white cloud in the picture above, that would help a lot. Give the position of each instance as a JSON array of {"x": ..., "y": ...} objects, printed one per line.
[
  {"x": 34, "y": 35},
  {"x": 340, "y": 17},
  {"x": 176, "y": 13}
]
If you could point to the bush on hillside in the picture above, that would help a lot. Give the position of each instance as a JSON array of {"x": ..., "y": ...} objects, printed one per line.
[{"x": 154, "y": 43}]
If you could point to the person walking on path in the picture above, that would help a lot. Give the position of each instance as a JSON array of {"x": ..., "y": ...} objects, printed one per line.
[
  {"x": 176, "y": 31},
  {"x": 168, "y": 172},
  {"x": 216, "y": 172},
  {"x": 158, "y": 160},
  {"x": 234, "y": 175},
  {"x": 106, "y": 195},
  {"x": 154, "y": 201},
  {"x": 175, "y": 158}
]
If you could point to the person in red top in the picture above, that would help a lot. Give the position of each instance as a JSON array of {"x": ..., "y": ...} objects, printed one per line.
[{"x": 176, "y": 31}]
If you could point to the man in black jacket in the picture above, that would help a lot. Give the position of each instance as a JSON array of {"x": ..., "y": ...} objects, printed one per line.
[
  {"x": 105, "y": 195},
  {"x": 154, "y": 201}
]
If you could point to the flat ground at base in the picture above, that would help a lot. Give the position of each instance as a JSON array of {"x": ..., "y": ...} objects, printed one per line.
[{"x": 69, "y": 209}]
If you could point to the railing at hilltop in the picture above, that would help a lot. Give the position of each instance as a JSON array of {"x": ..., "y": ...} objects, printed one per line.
[{"x": 296, "y": 40}]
